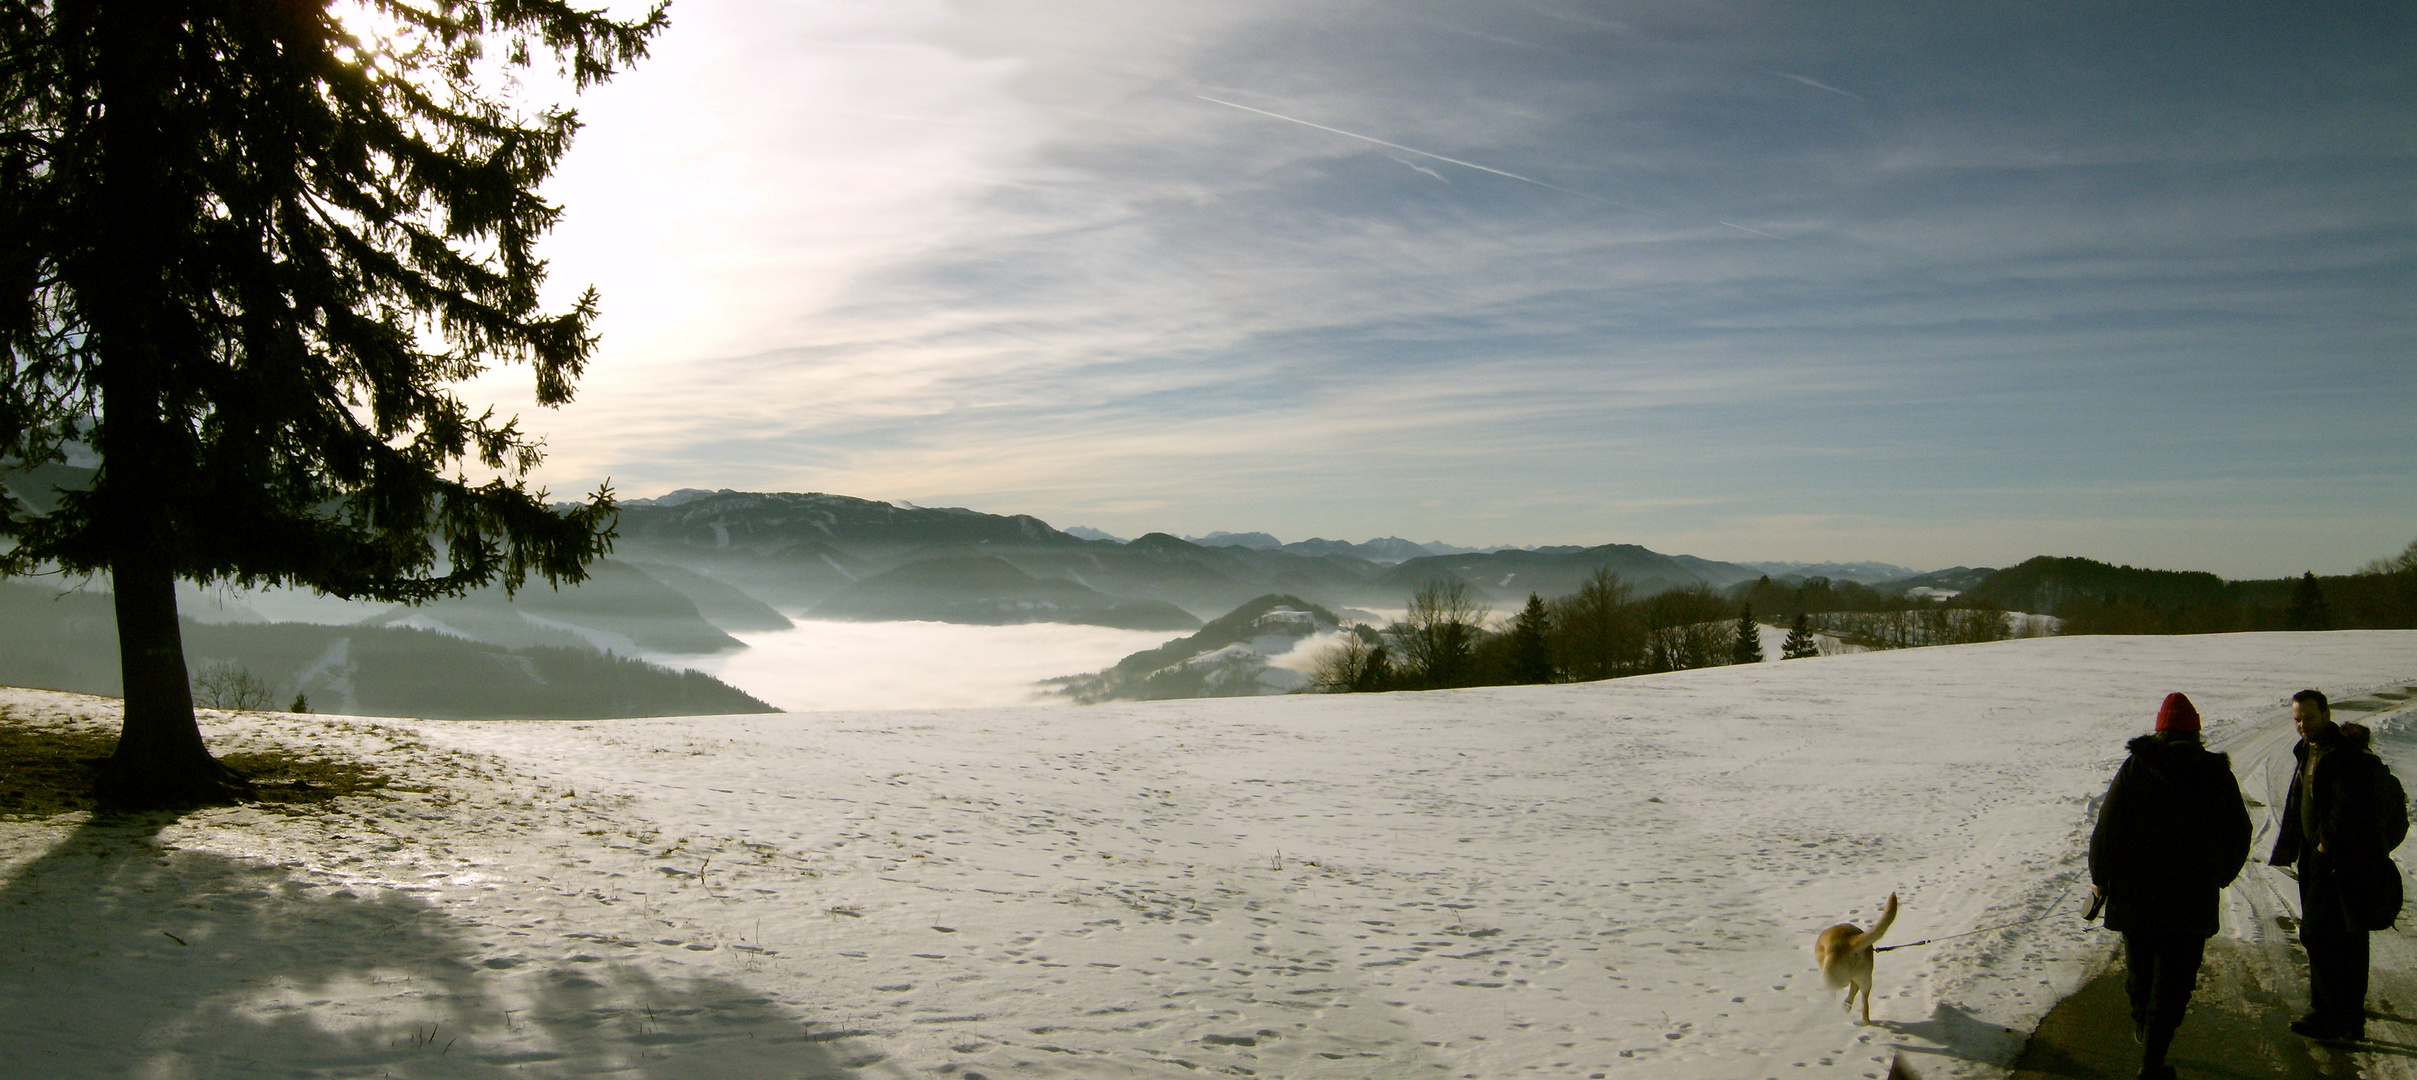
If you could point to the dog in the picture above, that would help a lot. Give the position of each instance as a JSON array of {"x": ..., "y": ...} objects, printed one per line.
[{"x": 1844, "y": 952}]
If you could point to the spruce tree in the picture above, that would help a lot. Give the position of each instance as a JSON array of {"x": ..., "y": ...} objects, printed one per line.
[
  {"x": 1800, "y": 643},
  {"x": 2307, "y": 610},
  {"x": 1747, "y": 649},
  {"x": 250, "y": 249},
  {"x": 1531, "y": 647}
]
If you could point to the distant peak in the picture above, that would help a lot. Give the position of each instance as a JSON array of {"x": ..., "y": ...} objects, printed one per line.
[
  {"x": 1256, "y": 541},
  {"x": 680, "y": 497}
]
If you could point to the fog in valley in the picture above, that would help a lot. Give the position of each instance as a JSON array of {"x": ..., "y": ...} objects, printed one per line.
[{"x": 822, "y": 666}]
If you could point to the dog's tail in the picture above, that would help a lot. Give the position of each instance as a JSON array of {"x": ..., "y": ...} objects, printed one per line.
[{"x": 1871, "y": 937}]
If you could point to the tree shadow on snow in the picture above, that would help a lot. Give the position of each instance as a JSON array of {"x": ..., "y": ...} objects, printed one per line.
[{"x": 122, "y": 955}]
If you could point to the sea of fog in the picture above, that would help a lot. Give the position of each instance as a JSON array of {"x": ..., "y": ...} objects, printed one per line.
[{"x": 817, "y": 666}]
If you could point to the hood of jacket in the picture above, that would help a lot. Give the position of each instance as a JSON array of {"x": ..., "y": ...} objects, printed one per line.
[
  {"x": 2349, "y": 736},
  {"x": 2175, "y": 762}
]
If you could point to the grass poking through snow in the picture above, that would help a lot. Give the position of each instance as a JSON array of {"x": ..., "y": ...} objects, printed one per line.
[{"x": 47, "y": 769}]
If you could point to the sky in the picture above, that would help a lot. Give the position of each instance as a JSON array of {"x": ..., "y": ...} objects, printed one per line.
[{"x": 1929, "y": 284}]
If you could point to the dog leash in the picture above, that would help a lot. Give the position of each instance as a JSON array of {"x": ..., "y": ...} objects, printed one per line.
[
  {"x": 2060, "y": 899},
  {"x": 1967, "y": 933}
]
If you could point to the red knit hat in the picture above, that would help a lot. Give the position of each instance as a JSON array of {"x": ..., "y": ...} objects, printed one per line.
[{"x": 2177, "y": 715}]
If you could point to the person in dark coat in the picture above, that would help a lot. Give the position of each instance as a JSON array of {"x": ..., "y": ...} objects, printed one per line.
[
  {"x": 2171, "y": 833},
  {"x": 2330, "y": 828}
]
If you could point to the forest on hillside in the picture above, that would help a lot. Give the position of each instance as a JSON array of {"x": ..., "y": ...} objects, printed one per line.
[
  {"x": 1605, "y": 630},
  {"x": 2091, "y": 597}
]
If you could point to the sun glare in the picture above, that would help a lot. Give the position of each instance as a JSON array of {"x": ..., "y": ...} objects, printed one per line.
[{"x": 399, "y": 46}]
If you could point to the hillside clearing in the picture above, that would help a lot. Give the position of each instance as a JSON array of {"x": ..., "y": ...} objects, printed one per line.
[{"x": 1618, "y": 878}]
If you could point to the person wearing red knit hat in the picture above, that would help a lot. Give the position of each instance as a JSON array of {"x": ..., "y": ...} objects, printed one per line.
[{"x": 2172, "y": 832}]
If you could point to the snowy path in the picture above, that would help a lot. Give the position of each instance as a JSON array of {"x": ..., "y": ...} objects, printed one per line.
[
  {"x": 1618, "y": 878},
  {"x": 2255, "y": 979},
  {"x": 2259, "y": 904}
]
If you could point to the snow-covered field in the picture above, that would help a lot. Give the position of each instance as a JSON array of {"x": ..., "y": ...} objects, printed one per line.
[{"x": 1613, "y": 879}]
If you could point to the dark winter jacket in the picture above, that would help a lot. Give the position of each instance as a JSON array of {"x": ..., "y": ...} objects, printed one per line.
[
  {"x": 2349, "y": 808},
  {"x": 2171, "y": 833},
  {"x": 2345, "y": 810}
]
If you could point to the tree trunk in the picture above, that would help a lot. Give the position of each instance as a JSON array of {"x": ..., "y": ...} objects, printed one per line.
[{"x": 160, "y": 761}]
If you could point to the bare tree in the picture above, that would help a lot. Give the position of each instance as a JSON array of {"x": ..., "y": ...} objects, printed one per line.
[
  {"x": 1355, "y": 664},
  {"x": 1437, "y": 634},
  {"x": 1687, "y": 628},
  {"x": 2405, "y": 561},
  {"x": 1595, "y": 635},
  {"x": 1352, "y": 665},
  {"x": 228, "y": 685},
  {"x": 1967, "y": 625}
]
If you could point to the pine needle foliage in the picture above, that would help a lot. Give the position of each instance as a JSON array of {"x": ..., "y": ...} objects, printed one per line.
[
  {"x": 1531, "y": 643},
  {"x": 1746, "y": 646},
  {"x": 253, "y": 248},
  {"x": 1800, "y": 643}
]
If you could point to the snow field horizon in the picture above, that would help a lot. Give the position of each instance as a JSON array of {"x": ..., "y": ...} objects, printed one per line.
[{"x": 1620, "y": 878}]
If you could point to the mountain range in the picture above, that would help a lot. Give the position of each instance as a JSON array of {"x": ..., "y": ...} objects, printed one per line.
[
  {"x": 833, "y": 556},
  {"x": 68, "y": 641},
  {"x": 691, "y": 566}
]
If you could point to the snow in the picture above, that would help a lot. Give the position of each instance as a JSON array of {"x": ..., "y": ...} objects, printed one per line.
[
  {"x": 600, "y": 640},
  {"x": 421, "y": 620},
  {"x": 1289, "y": 615},
  {"x": 1617, "y": 878},
  {"x": 1253, "y": 661},
  {"x": 1774, "y": 641}
]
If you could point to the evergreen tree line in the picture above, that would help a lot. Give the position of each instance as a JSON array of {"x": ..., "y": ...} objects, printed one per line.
[{"x": 2094, "y": 598}]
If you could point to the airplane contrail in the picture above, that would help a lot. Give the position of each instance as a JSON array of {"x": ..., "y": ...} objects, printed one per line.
[
  {"x": 1462, "y": 164},
  {"x": 1819, "y": 85},
  {"x": 1424, "y": 154}
]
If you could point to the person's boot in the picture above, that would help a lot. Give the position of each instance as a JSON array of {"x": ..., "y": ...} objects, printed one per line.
[
  {"x": 2350, "y": 1028},
  {"x": 2159, "y": 1039},
  {"x": 2329, "y": 1029}
]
